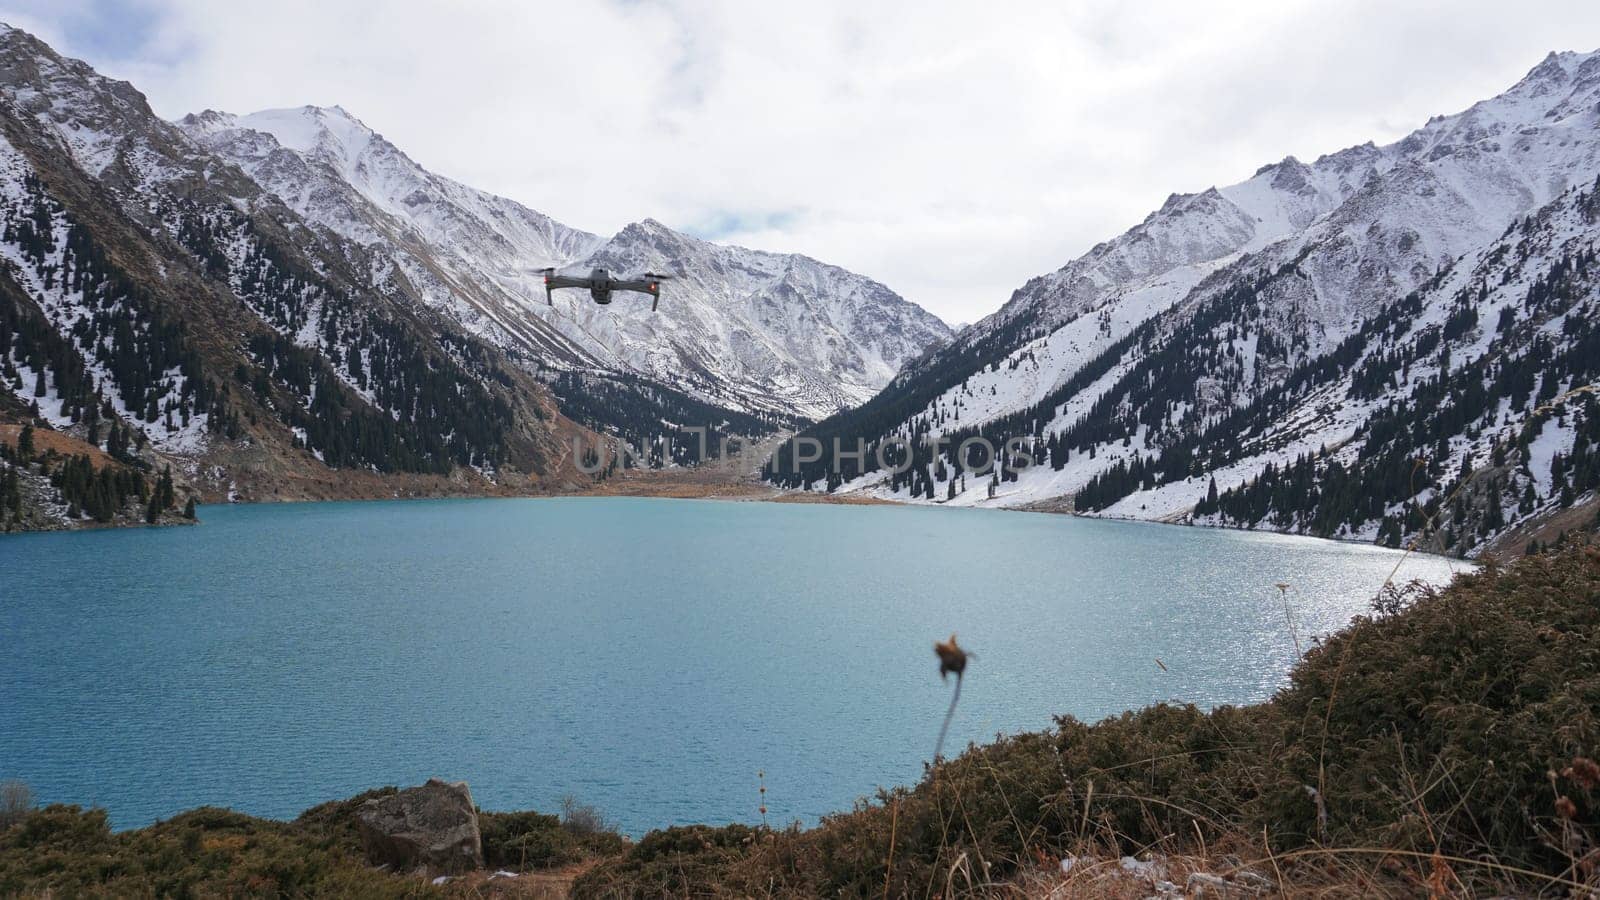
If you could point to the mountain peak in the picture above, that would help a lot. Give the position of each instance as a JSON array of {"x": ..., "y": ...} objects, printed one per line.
[
  {"x": 1550, "y": 69},
  {"x": 336, "y": 116},
  {"x": 308, "y": 129},
  {"x": 653, "y": 231},
  {"x": 10, "y": 32},
  {"x": 1558, "y": 70},
  {"x": 208, "y": 121}
]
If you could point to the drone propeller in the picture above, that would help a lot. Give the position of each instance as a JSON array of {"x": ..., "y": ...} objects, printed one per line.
[
  {"x": 655, "y": 287},
  {"x": 547, "y": 271}
]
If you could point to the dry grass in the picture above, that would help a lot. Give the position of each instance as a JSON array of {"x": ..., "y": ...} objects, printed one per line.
[
  {"x": 62, "y": 443},
  {"x": 16, "y": 800},
  {"x": 553, "y": 884}
]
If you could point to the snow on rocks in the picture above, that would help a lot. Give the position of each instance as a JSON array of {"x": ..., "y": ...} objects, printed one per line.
[
  {"x": 741, "y": 328},
  {"x": 1468, "y": 215}
]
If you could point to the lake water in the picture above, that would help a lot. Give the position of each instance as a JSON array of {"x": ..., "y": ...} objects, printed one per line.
[{"x": 647, "y": 656}]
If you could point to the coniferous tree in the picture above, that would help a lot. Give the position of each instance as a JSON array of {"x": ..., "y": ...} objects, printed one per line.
[{"x": 165, "y": 494}]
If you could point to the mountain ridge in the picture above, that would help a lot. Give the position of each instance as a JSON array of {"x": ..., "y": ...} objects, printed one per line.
[
  {"x": 715, "y": 332},
  {"x": 154, "y": 292},
  {"x": 1281, "y": 273},
  {"x": 287, "y": 322}
]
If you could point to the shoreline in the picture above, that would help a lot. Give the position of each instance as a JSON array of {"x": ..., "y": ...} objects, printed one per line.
[
  {"x": 743, "y": 492},
  {"x": 1042, "y": 507}
]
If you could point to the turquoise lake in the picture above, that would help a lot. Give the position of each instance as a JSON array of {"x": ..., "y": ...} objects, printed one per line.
[{"x": 646, "y": 656}]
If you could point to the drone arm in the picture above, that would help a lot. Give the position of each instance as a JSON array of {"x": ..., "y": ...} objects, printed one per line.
[
  {"x": 551, "y": 282},
  {"x": 651, "y": 286}
]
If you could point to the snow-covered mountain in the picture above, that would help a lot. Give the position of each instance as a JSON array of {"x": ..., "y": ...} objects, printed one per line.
[
  {"x": 285, "y": 305},
  {"x": 756, "y": 330},
  {"x": 749, "y": 330},
  {"x": 469, "y": 254},
  {"x": 1227, "y": 332},
  {"x": 157, "y": 301}
]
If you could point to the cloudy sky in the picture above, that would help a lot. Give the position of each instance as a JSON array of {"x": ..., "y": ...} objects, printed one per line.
[{"x": 951, "y": 150}]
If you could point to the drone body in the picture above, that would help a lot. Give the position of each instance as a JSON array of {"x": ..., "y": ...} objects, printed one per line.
[{"x": 601, "y": 285}]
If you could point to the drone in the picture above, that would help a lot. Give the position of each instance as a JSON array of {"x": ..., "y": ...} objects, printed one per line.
[{"x": 601, "y": 285}]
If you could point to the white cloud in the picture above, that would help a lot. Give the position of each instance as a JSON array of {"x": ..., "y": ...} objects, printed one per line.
[{"x": 952, "y": 150}]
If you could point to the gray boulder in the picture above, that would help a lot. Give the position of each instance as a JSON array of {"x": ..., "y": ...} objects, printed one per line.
[{"x": 434, "y": 825}]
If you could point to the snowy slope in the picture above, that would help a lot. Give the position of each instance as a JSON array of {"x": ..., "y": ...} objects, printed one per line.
[
  {"x": 149, "y": 283},
  {"x": 468, "y": 254},
  {"x": 1509, "y": 154},
  {"x": 1218, "y": 337},
  {"x": 745, "y": 329},
  {"x": 769, "y": 331}
]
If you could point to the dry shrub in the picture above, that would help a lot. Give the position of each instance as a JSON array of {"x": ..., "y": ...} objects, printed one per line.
[
  {"x": 16, "y": 799},
  {"x": 530, "y": 840},
  {"x": 581, "y": 818},
  {"x": 70, "y": 852}
]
